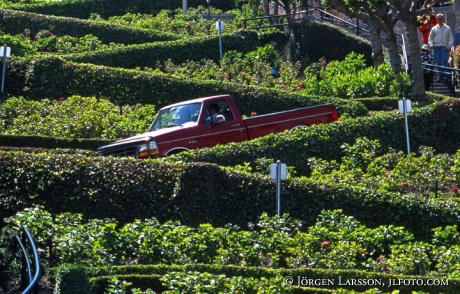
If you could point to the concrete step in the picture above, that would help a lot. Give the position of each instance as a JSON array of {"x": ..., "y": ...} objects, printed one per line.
[{"x": 444, "y": 88}]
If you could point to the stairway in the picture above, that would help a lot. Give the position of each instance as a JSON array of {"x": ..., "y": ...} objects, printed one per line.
[{"x": 444, "y": 88}]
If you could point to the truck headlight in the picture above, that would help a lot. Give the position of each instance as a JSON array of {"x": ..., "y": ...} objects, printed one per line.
[{"x": 148, "y": 148}]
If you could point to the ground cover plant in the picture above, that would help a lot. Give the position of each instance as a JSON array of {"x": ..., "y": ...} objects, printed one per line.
[{"x": 272, "y": 242}]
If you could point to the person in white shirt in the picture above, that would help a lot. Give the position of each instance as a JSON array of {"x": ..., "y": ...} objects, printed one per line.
[
  {"x": 441, "y": 41},
  {"x": 214, "y": 111}
]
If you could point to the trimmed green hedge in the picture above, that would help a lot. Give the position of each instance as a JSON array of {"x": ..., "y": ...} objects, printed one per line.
[
  {"x": 50, "y": 77},
  {"x": 318, "y": 39},
  {"x": 65, "y": 181},
  {"x": 195, "y": 193},
  {"x": 51, "y": 143},
  {"x": 179, "y": 51},
  {"x": 107, "y": 8},
  {"x": 16, "y": 22},
  {"x": 388, "y": 103}
]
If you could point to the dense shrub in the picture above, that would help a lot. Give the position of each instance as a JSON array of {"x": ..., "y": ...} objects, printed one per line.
[
  {"x": 20, "y": 48},
  {"x": 106, "y": 8},
  {"x": 147, "y": 54},
  {"x": 349, "y": 78},
  {"x": 45, "y": 41},
  {"x": 75, "y": 117},
  {"x": 174, "y": 21},
  {"x": 314, "y": 40},
  {"x": 364, "y": 165}
]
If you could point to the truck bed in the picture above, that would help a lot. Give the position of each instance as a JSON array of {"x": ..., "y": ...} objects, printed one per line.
[{"x": 285, "y": 120}]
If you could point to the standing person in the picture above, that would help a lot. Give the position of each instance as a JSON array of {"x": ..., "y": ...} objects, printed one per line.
[
  {"x": 427, "y": 71},
  {"x": 441, "y": 40},
  {"x": 426, "y": 23}
]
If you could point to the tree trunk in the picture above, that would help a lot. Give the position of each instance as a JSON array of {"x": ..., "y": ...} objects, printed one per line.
[
  {"x": 416, "y": 61},
  {"x": 393, "y": 50},
  {"x": 376, "y": 43},
  {"x": 289, "y": 18}
]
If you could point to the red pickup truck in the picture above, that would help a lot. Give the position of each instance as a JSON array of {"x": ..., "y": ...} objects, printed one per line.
[{"x": 206, "y": 122}]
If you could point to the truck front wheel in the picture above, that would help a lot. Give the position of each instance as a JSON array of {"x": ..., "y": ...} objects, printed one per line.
[{"x": 175, "y": 151}]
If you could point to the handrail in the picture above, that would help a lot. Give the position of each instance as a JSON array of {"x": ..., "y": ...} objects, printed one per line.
[
  {"x": 339, "y": 20},
  {"x": 306, "y": 13},
  {"x": 34, "y": 280},
  {"x": 245, "y": 20}
]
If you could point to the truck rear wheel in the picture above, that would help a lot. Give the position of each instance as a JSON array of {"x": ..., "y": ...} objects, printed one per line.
[{"x": 301, "y": 126}]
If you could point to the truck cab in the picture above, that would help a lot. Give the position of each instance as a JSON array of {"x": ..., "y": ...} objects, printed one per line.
[{"x": 184, "y": 126}]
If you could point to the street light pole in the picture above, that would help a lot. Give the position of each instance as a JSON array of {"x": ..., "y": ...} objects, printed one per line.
[{"x": 209, "y": 9}]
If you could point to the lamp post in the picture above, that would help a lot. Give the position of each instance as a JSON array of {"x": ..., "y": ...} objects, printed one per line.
[{"x": 209, "y": 9}]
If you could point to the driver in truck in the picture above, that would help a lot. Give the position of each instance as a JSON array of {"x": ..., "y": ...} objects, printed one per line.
[{"x": 214, "y": 112}]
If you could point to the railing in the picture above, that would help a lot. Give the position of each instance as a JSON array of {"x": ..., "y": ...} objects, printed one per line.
[
  {"x": 329, "y": 17},
  {"x": 279, "y": 20},
  {"x": 326, "y": 16},
  {"x": 29, "y": 276}
]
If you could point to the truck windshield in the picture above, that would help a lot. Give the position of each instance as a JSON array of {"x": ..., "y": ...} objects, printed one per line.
[{"x": 176, "y": 116}]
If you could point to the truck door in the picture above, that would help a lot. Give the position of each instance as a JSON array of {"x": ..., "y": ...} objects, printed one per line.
[{"x": 219, "y": 126}]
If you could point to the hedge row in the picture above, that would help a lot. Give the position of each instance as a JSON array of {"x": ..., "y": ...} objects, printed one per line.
[
  {"x": 106, "y": 8},
  {"x": 437, "y": 126},
  {"x": 199, "y": 47},
  {"x": 195, "y": 193},
  {"x": 317, "y": 40},
  {"x": 50, "y": 142},
  {"x": 17, "y": 22},
  {"x": 145, "y": 276},
  {"x": 179, "y": 51},
  {"x": 51, "y": 77}
]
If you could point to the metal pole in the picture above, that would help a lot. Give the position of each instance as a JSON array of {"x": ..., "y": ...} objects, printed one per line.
[
  {"x": 275, "y": 11},
  {"x": 184, "y": 7},
  {"x": 407, "y": 125},
  {"x": 4, "y": 67},
  {"x": 209, "y": 9},
  {"x": 357, "y": 26},
  {"x": 278, "y": 187},
  {"x": 220, "y": 39}
]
